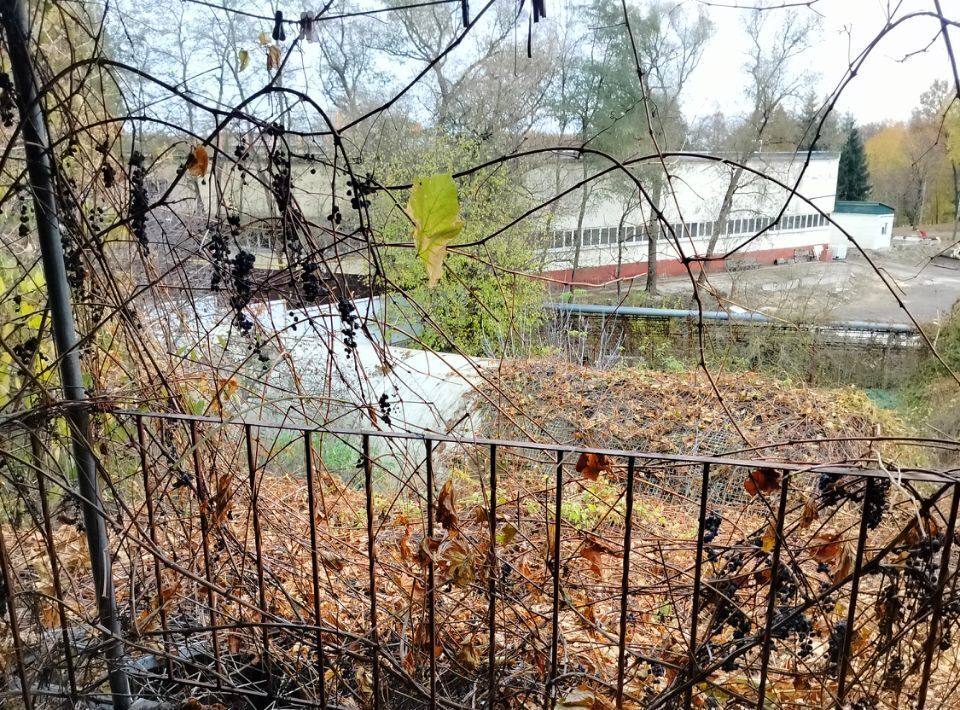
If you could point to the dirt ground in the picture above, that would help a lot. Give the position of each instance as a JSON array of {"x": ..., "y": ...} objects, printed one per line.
[{"x": 844, "y": 290}]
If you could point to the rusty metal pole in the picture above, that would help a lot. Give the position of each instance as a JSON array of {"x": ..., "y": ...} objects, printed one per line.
[{"x": 13, "y": 16}]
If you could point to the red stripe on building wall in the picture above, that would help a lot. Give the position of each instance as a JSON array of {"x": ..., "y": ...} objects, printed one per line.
[{"x": 598, "y": 275}]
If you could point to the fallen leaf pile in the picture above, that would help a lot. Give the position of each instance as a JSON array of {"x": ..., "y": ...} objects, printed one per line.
[
  {"x": 680, "y": 413},
  {"x": 292, "y": 574}
]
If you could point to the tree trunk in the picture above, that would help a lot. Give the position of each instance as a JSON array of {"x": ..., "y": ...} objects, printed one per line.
[
  {"x": 956, "y": 201},
  {"x": 578, "y": 239},
  {"x": 620, "y": 230},
  {"x": 653, "y": 239},
  {"x": 725, "y": 207}
]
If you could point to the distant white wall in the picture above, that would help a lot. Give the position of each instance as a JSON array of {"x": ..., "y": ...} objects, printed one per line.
[
  {"x": 870, "y": 231},
  {"x": 615, "y": 221}
]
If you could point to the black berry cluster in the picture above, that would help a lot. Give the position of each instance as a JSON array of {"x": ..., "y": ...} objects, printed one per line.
[
  {"x": 27, "y": 349},
  {"x": 24, "y": 229},
  {"x": 335, "y": 217},
  {"x": 889, "y": 608},
  {"x": 893, "y": 673},
  {"x": 835, "y": 645},
  {"x": 107, "y": 171},
  {"x": 349, "y": 320},
  {"x": 787, "y": 587},
  {"x": 711, "y": 526},
  {"x": 787, "y": 623},
  {"x": 310, "y": 280},
  {"x": 385, "y": 409},
  {"x": 359, "y": 190},
  {"x": 242, "y": 289},
  {"x": 138, "y": 200},
  {"x": 948, "y": 620},
  {"x": 835, "y": 490},
  {"x": 8, "y": 100},
  {"x": 876, "y": 501},
  {"x": 922, "y": 567},
  {"x": 219, "y": 247}
]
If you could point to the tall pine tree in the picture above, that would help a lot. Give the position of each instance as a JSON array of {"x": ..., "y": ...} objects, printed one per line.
[{"x": 853, "y": 180}]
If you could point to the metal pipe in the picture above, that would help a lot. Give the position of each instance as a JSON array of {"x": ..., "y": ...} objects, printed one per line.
[
  {"x": 590, "y": 309},
  {"x": 13, "y": 16}
]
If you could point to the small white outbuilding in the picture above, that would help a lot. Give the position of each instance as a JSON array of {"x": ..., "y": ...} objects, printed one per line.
[{"x": 869, "y": 223}]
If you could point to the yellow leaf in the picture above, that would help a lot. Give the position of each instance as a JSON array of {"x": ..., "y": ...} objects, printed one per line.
[
  {"x": 243, "y": 57},
  {"x": 769, "y": 539},
  {"x": 434, "y": 210},
  {"x": 264, "y": 39},
  {"x": 507, "y": 533}
]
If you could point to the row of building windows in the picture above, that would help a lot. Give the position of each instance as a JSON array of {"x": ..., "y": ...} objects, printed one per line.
[{"x": 599, "y": 236}]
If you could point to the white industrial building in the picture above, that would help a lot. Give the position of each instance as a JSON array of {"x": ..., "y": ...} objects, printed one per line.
[
  {"x": 869, "y": 224},
  {"x": 778, "y": 214}
]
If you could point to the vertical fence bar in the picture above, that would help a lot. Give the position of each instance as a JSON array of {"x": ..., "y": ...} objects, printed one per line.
[
  {"x": 844, "y": 660},
  {"x": 202, "y": 496},
  {"x": 37, "y": 451},
  {"x": 10, "y": 600},
  {"x": 258, "y": 543},
  {"x": 938, "y": 599},
  {"x": 371, "y": 556},
  {"x": 314, "y": 563},
  {"x": 697, "y": 580},
  {"x": 431, "y": 600},
  {"x": 774, "y": 583},
  {"x": 492, "y": 584},
  {"x": 625, "y": 580},
  {"x": 36, "y": 144},
  {"x": 148, "y": 492},
  {"x": 555, "y": 618}
]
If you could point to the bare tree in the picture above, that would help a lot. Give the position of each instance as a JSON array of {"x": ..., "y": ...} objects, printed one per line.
[
  {"x": 349, "y": 72},
  {"x": 774, "y": 48}
]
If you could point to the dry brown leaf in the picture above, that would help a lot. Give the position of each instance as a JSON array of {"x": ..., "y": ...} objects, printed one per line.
[
  {"x": 591, "y": 465},
  {"x": 478, "y": 514},
  {"x": 197, "y": 161},
  {"x": 827, "y": 547},
  {"x": 579, "y": 698},
  {"x": 460, "y": 561},
  {"x": 330, "y": 560},
  {"x": 427, "y": 550},
  {"x": 273, "y": 58},
  {"x": 404, "y": 542},
  {"x": 551, "y": 539},
  {"x": 762, "y": 480},
  {"x": 469, "y": 653},
  {"x": 194, "y": 704},
  {"x": 593, "y": 553},
  {"x": 447, "y": 506},
  {"x": 809, "y": 513},
  {"x": 843, "y": 566}
]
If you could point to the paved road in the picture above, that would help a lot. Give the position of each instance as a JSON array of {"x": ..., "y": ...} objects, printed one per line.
[{"x": 848, "y": 290}]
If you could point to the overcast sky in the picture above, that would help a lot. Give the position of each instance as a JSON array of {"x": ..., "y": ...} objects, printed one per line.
[{"x": 887, "y": 89}]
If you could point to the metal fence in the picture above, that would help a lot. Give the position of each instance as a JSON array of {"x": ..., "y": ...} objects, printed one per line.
[{"x": 268, "y": 565}]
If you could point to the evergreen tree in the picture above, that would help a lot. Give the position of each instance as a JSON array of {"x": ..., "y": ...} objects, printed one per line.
[{"x": 853, "y": 180}]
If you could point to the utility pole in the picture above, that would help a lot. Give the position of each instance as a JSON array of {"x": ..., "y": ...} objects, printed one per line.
[{"x": 13, "y": 16}]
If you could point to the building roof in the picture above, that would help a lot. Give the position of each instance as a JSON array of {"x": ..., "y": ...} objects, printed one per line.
[{"x": 877, "y": 208}]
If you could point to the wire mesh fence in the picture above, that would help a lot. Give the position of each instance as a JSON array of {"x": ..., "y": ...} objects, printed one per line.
[{"x": 265, "y": 565}]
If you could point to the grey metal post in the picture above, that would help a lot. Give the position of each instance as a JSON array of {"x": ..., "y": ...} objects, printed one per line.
[{"x": 13, "y": 15}]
